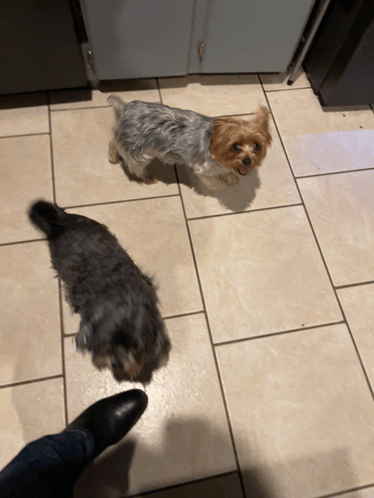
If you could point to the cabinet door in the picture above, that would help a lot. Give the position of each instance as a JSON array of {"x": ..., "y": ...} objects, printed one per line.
[
  {"x": 247, "y": 35},
  {"x": 139, "y": 38}
]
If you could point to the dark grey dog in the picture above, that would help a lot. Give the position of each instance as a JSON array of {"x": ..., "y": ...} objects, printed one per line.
[{"x": 120, "y": 322}]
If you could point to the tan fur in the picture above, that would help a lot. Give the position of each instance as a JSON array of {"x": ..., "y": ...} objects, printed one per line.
[
  {"x": 109, "y": 356},
  {"x": 229, "y": 130}
]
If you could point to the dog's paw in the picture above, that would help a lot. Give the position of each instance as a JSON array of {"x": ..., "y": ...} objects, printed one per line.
[
  {"x": 149, "y": 180},
  {"x": 114, "y": 159},
  {"x": 230, "y": 179}
]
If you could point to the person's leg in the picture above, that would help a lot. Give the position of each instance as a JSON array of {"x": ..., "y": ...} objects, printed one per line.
[{"x": 49, "y": 467}]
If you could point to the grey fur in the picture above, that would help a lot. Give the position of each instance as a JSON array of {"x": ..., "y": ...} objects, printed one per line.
[{"x": 118, "y": 305}]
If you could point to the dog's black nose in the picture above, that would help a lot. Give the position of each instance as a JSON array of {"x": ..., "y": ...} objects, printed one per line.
[{"x": 246, "y": 161}]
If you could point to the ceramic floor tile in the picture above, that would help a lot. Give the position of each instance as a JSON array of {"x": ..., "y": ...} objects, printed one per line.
[
  {"x": 341, "y": 211},
  {"x": 220, "y": 487},
  {"x": 23, "y": 114},
  {"x": 214, "y": 95},
  {"x": 155, "y": 235},
  {"x": 182, "y": 436},
  {"x": 70, "y": 320},
  {"x": 30, "y": 339},
  {"x": 83, "y": 174},
  {"x": 322, "y": 141},
  {"x": 270, "y": 185},
  {"x": 28, "y": 412},
  {"x": 358, "y": 307},
  {"x": 304, "y": 422},
  {"x": 25, "y": 175},
  {"x": 261, "y": 273},
  {"x": 145, "y": 90},
  {"x": 361, "y": 493},
  {"x": 278, "y": 81}
]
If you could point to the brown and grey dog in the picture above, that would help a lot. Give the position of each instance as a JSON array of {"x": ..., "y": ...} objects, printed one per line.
[
  {"x": 219, "y": 151},
  {"x": 121, "y": 325}
]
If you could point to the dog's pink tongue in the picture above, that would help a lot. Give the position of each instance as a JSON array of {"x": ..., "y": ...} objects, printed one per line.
[{"x": 244, "y": 169}]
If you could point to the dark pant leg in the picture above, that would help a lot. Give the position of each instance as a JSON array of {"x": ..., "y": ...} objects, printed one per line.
[{"x": 48, "y": 467}]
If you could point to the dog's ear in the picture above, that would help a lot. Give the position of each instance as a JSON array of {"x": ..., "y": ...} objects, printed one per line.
[
  {"x": 261, "y": 120},
  {"x": 217, "y": 137},
  {"x": 224, "y": 121},
  {"x": 221, "y": 128},
  {"x": 217, "y": 123}
]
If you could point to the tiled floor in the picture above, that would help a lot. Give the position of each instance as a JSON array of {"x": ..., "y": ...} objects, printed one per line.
[{"x": 267, "y": 289}]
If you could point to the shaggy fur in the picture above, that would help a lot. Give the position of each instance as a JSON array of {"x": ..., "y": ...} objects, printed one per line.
[
  {"x": 219, "y": 151},
  {"x": 121, "y": 325}
]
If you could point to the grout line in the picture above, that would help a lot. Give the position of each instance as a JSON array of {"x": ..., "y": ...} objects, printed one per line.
[
  {"x": 341, "y": 308},
  {"x": 348, "y": 286},
  {"x": 342, "y": 493},
  {"x": 182, "y": 484},
  {"x": 245, "y": 339},
  {"x": 301, "y": 88},
  {"x": 333, "y": 173},
  {"x": 282, "y": 332},
  {"x": 325, "y": 264},
  {"x": 26, "y": 135},
  {"x": 80, "y": 108},
  {"x": 20, "y": 242},
  {"x": 159, "y": 90},
  {"x": 231, "y": 432},
  {"x": 242, "y": 114},
  {"x": 33, "y": 381},
  {"x": 120, "y": 202},
  {"x": 51, "y": 152},
  {"x": 238, "y": 115},
  {"x": 244, "y": 212},
  {"x": 169, "y": 317},
  {"x": 287, "y": 89},
  {"x": 63, "y": 350},
  {"x": 59, "y": 281},
  {"x": 181, "y": 315}
]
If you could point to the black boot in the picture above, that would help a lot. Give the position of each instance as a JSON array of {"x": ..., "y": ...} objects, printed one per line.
[{"x": 110, "y": 419}]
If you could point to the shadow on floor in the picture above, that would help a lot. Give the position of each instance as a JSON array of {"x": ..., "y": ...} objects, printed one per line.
[
  {"x": 345, "y": 109},
  {"x": 190, "y": 449},
  {"x": 323, "y": 475},
  {"x": 156, "y": 169},
  {"x": 135, "y": 469},
  {"x": 237, "y": 198},
  {"x": 23, "y": 100}
]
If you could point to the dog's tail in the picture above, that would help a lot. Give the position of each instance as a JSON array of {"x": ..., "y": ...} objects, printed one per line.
[
  {"x": 47, "y": 217},
  {"x": 118, "y": 105}
]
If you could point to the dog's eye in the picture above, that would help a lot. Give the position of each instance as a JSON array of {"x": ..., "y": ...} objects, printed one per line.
[
  {"x": 236, "y": 147},
  {"x": 256, "y": 146}
]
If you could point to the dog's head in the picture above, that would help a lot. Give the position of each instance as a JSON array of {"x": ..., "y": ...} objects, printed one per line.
[
  {"x": 125, "y": 339},
  {"x": 238, "y": 144}
]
